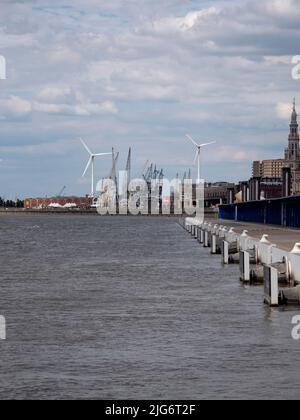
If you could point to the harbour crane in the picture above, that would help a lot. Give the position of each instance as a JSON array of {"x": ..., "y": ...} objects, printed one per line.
[{"x": 61, "y": 192}]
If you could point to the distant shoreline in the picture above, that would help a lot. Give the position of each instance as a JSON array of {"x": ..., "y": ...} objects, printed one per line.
[{"x": 91, "y": 212}]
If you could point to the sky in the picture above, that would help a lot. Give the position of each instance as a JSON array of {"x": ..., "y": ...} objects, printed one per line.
[{"x": 142, "y": 73}]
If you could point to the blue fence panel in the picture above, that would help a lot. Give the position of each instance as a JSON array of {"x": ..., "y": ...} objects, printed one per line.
[
  {"x": 227, "y": 212},
  {"x": 293, "y": 213},
  {"x": 285, "y": 211},
  {"x": 273, "y": 212}
]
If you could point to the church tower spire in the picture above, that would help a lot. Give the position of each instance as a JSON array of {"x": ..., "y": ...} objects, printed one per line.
[{"x": 293, "y": 151}]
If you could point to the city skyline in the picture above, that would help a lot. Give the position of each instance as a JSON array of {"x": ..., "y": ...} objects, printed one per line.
[{"x": 142, "y": 77}]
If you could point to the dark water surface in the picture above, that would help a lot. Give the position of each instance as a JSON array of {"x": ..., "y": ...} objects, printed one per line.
[{"x": 133, "y": 308}]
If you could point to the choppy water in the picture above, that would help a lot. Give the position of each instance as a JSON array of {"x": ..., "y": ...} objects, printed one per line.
[{"x": 133, "y": 308}]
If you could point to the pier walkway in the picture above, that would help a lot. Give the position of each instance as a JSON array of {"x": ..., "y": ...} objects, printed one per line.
[{"x": 283, "y": 238}]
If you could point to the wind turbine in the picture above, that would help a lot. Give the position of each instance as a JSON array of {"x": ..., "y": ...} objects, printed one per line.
[
  {"x": 198, "y": 152},
  {"x": 91, "y": 162}
]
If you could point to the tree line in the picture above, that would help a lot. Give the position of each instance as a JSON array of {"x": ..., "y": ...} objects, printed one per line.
[{"x": 11, "y": 203}]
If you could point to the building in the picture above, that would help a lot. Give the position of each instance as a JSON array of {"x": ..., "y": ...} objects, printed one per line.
[
  {"x": 57, "y": 203},
  {"x": 257, "y": 169},
  {"x": 275, "y": 169},
  {"x": 292, "y": 153},
  {"x": 271, "y": 168},
  {"x": 218, "y": 193}
]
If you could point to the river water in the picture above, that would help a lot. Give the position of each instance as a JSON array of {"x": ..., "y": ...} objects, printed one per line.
[{"x": 133, "y": 308}]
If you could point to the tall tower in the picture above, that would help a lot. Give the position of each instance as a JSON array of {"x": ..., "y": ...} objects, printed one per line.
[{"x": 292, "y": 153}]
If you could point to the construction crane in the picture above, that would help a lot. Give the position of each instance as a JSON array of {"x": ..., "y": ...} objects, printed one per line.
[
  {"x": 61, "y": 192},
  {"x": 113, "y": 172},
  {"x": 145, "y": 169},
  {"x": 128, "y": 167}
]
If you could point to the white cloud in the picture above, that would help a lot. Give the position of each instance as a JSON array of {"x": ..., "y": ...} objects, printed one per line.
[
  {"x": 64, "y": 54},
  {"x": 59, "y": 147},
  {"x": 80, "y": 109},
  {"x": 273, "y": 60},
  {"x": 142, "y": 72},
  {"x": 55, "y": 94},
  {"x": 281, "y": 8},
  {"x": 184, "y": 23},
  {"x": 14, "y": 107},
  {"x": 284, "y": 110}
]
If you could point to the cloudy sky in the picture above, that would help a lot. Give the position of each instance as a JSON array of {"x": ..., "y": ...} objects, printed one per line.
[{"x": 142, "y": 73}]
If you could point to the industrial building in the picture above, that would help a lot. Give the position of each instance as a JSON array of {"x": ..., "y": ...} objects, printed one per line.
[
  {"x": 219, "y": 193},
  {"x": 57, "y": 203},
  {"x": 268, "y": 168}
]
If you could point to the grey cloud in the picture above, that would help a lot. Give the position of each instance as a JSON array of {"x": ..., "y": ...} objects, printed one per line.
[{"x": 144, "y": 72}]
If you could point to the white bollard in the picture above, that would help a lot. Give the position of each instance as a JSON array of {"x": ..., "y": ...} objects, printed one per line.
[
  {"x": 245, "y": 266},
  {"x": 271, "y": 289},
  {"x": 201, "y": 236},
  {"x": 296, "y": 249},
  {"x": 205, "y": 243},
  {"x": 225, "y": 252},
  {"x": 293, "y": 262},
  {"x": 264, "y": 250},
  {"x": 243, "y": 241},
  {"x": 214, "y": 244}
]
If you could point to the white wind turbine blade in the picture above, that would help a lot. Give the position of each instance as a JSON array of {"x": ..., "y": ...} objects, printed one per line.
[
  {"x": 87, "y": 167},
  {"x": 85, "y": 146},
  {"x": 207, "y": 144},
  {"x": 192, "y": 140},
  {"x": 197, "y": 155},
  {"x": 102, "y": 154}
]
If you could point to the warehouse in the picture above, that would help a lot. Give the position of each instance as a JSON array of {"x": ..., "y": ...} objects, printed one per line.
[{"x": 57, "y": 203}]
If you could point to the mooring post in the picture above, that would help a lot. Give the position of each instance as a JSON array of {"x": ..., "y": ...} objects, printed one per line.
[
  {"x": 271, "y": 289},
  {"x": 244, "y": 240},
  {"x": 293, "y": 263},
  {"x": 245, "y": 266},
  {"x": 201, "y": 235},
  {"x": 193, "y": 230},
  {"x": 205, "y": 239},
  {"x": 214, "y": 243},
  {"x": 225, "y": 252},
  {"x": 264, "y": 250}
]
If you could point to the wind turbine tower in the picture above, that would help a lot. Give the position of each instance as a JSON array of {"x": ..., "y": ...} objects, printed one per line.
[
  {"x": 198, "y": 153},
  {"x": 91, "y": 162}
]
